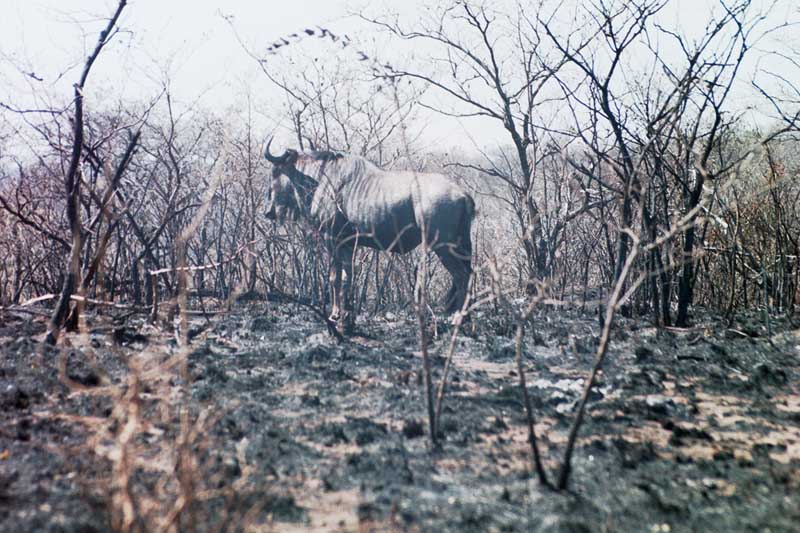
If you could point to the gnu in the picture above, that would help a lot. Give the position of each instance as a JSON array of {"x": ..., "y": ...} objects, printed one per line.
[{"x": 354, "y": 203}]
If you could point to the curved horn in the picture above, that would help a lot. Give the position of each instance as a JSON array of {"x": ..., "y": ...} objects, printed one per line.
[{"x": 269, "y": 157}]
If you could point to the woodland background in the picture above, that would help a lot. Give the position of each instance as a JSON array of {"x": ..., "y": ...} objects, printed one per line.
[{"x": 614, "y": 127}]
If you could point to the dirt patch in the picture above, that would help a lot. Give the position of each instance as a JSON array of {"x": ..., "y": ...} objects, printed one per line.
[{"x": 687, "y": 430}]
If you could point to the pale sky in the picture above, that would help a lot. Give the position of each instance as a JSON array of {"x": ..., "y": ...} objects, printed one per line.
[
  {"x": 187, "y": 37},
  {"x": 189, "y": 40}
]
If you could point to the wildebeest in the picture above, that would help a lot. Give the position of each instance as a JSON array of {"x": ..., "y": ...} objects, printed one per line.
[{"x": 355, "y": 203}]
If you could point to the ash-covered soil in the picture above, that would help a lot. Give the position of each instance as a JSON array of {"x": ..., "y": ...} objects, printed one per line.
[{"x": 272, "y": 425}]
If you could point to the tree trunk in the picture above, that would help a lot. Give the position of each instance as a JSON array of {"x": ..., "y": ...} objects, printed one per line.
[{"x": 686, "y": 283}]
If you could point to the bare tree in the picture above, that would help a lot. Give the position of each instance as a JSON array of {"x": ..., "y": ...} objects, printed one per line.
[
  {"x": 72, "y": 184},
  {"x": 494, "y": 66}
]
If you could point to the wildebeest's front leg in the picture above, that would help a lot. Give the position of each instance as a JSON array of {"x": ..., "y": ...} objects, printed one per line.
[
  {"x": 335, "y": 280},
  {"x": 345, "y": 259}
]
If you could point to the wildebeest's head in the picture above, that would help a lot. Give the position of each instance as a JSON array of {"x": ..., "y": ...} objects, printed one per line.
[{"x": 282, "y": 195}]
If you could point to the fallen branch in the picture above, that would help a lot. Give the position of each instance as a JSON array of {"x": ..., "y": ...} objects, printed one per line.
[{"x": 236, "y": 254}]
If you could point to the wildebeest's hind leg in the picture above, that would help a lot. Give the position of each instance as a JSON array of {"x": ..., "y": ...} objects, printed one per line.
[
  {"x": 453, "y": 260},
  {"x": 457, "y": 259}
]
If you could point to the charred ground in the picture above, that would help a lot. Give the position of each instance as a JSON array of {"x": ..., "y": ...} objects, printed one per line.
[{"x": 276, "y": 426}]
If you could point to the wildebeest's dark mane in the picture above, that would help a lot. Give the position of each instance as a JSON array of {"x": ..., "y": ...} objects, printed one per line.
[
  {"x": 322, "y": 155},
  {"x": 339, "y": 167}
]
